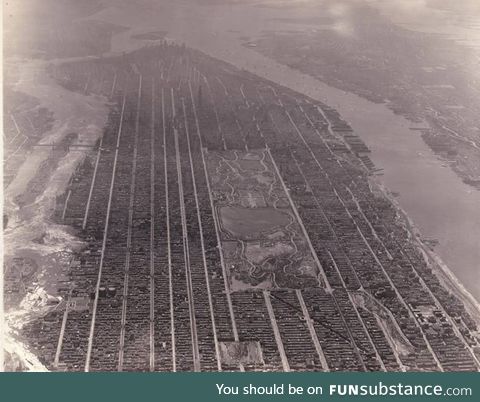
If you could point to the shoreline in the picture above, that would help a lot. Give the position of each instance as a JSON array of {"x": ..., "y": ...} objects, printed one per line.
[
  {"x": 441, "y": 270},
  {"x": 224, "y": 42},
  {"x": 446, "y": 276},
  {"x": 73, "y": 112}
]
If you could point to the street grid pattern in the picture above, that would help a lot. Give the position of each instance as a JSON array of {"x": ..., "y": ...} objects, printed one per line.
[{"x": 154, "y": 273}]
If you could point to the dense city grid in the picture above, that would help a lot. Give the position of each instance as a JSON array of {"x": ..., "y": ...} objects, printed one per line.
[{"x": 324, "y": 276}]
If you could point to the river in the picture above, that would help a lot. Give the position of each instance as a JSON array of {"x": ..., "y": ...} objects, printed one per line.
[{"x": 437, "y": 201}]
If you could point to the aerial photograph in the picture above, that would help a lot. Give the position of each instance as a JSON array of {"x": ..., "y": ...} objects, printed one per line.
[{"x": 240, "y": 185}]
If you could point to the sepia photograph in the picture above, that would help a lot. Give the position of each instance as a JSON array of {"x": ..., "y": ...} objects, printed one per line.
[{"x": 240, "y": 186}]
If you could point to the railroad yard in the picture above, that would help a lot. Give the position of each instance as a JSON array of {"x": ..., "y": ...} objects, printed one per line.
[{"x": 231, "y": 224}]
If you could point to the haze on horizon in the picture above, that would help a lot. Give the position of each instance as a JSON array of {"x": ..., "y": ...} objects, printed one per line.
[{"x": 364, "y": 113}]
